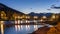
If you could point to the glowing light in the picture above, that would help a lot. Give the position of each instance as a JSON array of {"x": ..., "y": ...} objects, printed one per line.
[
  {"x": 41, "y": 20},
  {"x": 44, "y": 17},
  {"x": 21, "y": 21},
  {"x": 16, "y": 28},
  {"x": 18, "y": 17},
  {"x": 35, "y": 27},
  {"x": 27, "y": 27},
  {"x": 2, "y": 15},
  {"x": 16, "y": 22},
  {"x": 19, "y": 27},
  {"x": 27, "y": 16},
  {"x": 35, "y": 21},
  {"x": 2, "y": 28},
  {"x": 53, "y": 16},
  {"x": 26, "y": 21},
  {"x": 23, "y": 16},
  {"x": 35, "y": 17}
]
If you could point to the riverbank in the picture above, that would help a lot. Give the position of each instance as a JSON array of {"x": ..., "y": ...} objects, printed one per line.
[
  {"x": 48, "y": 30},
  {"x": 41, "y": 30}
]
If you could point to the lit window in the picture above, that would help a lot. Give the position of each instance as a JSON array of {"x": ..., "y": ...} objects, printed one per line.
[
  {"x": 27, "y": 17},
  {"x": 44, "y": 17},
  {"x": 41, "y": 20},
  {"x": 2, "y": 15},
  {"x": 53, "y": 16},
  {"x": 35, "y": 17}
]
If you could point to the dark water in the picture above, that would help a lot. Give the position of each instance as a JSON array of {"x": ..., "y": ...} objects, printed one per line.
[{"x": 21, "y": 29}]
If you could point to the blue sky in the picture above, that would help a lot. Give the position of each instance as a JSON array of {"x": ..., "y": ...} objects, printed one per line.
[{"x": 37, "y": 6}]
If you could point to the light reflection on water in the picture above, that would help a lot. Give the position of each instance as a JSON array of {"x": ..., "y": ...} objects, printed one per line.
[
  {"x": 21, "y": 29},
  {"x": 27, "y": 27},
  {"x": 35, "y": 27},
  {"x": 2, "y": 27}
]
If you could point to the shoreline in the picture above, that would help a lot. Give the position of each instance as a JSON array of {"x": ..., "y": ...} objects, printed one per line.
[{"x": 41, "y": 30}]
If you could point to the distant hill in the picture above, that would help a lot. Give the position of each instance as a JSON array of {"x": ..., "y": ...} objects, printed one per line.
[
  {"x": 9, "y": 11},
  {"x": 40, "y": 14}
]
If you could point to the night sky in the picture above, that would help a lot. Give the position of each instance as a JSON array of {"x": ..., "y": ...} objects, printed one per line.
[{"x": 37, "y": 6}]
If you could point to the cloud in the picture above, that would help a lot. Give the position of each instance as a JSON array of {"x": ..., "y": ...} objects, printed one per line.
[{"x": 55, "y": 7}]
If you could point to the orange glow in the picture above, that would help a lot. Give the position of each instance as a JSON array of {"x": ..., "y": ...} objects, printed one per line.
[
  {"x": 35, "y": 17},
  {"x": 53, "y": 16},
  {"x": 27, "y": 16},
  {"x": 2, "y": 28},
  {"x": 44, "y": 17},
  {"x": 41, "y": 20}
]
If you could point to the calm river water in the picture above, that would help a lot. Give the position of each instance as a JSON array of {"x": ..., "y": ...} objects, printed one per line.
[
  {"x": 21, "y": 29},
  {"x": 18, "y": 29}
]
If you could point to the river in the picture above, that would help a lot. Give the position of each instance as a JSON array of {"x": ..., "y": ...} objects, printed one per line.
[{"x": 21, "y": 29}]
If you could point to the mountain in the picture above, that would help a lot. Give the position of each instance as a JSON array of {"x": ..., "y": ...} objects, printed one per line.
[
  {"x": 40, "y": 14},
  {"x": 9, "y": 11}
]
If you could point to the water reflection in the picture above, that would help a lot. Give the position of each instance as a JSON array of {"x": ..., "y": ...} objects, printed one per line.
[
  {"x": 16, "y": 28},
  {"x": 35, "y": 27},
  {"x": 20, "y": 29},
  {"x": 2, "y": 28},
  {"x": 27, "y": 27}
]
